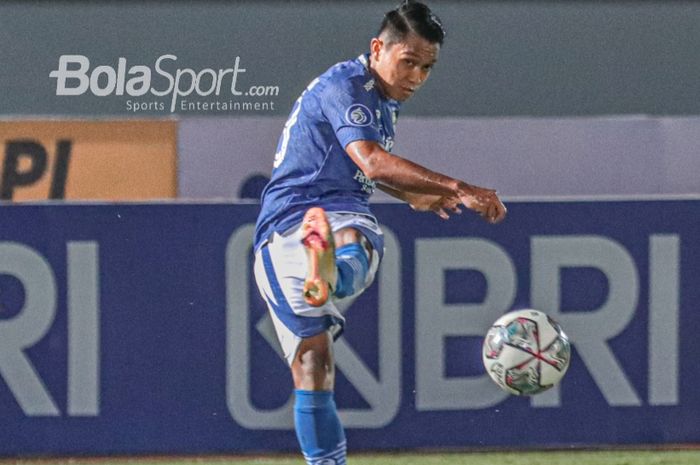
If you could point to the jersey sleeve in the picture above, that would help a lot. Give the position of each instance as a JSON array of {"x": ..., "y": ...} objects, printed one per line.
[{"x": 351, "y": 111}]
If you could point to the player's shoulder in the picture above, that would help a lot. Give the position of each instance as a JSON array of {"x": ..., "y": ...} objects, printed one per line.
[{"x": 349, "y": 77}]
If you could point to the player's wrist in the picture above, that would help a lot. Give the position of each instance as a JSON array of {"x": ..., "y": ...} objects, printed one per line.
[{"x": 461, "y": 188}]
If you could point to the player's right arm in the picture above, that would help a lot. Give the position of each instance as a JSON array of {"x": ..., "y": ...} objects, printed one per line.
[
  {"x": 439, "y": 204},
  {"x": 405, "y": 176}
]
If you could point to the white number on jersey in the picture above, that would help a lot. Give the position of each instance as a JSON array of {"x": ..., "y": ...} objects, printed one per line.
[{"x": 279, "y": 156}]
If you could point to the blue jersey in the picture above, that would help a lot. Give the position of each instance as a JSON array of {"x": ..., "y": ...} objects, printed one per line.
[{"x": 311, "y": 167}]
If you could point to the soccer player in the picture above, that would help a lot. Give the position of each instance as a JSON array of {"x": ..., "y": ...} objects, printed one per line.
[{"x": 316, "y": 239}]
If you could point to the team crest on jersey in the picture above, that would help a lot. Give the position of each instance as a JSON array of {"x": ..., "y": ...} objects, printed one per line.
[{"x": 358, "y": 115}]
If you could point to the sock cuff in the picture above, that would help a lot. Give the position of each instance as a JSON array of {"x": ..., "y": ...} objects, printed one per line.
[
  {"x": 312, "y": 399},
  {"x": 354, "y": 249}
]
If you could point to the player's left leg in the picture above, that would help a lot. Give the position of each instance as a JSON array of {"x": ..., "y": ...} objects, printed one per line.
[
  {"x": 318, "y": 428},
  {"x": 339, "y": 266},
  {"x": 305, "y": 334}
]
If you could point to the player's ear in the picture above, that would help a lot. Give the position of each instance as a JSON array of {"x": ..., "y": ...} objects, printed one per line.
[{"x": 375, "y": 46}]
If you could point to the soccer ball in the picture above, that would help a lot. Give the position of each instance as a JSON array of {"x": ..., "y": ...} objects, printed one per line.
[{"x": 526, "y": 352}]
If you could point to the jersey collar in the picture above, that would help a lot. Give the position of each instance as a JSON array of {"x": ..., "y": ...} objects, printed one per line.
[{"x": 364, "y": 60}]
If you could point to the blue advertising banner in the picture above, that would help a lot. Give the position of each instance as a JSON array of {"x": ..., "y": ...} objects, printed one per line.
[{"x": 134, "y": 329}]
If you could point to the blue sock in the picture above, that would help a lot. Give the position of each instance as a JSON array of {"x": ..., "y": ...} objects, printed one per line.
[
  {"x": 353, "y": 266},
  {"x": 318, "y": 427}
]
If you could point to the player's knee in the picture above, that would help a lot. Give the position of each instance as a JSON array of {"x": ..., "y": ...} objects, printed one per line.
[
  {"x": 314, "y": 371},
  {"x": 353, "y": 255},
  {"x": 314, "y": 363},
  {"x": 347, "y": 236},
  {"x": 312, "y": 368}
]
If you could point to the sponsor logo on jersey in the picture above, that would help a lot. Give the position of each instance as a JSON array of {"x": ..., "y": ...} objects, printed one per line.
[
  {"x": 369, "y": 85},
  {"x": 358, "y": 115},
  {"x": 378, "y": 114},
  {"x": 367, "y": 184},
  {"x": 388, "y": 143}
]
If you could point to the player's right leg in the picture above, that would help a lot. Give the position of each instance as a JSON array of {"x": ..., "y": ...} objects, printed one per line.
[
  {"x": 319, "y": 244},
  {"x": 340, "y": 271}
]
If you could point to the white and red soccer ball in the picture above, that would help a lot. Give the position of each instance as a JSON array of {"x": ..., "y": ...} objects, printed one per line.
[{"x": 526, "y": 352}]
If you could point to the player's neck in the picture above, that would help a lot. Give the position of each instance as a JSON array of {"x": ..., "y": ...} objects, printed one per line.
[{"x": 379, "y": 82}]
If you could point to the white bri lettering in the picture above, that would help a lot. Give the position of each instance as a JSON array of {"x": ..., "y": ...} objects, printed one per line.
[
  {"x": 436, "y": 320},
  {"x": 36, "y": 318},
  {"x": 664, "y": 327},
  {"x": 589, "y": 331},
  {"x": 83, "y": 329}
]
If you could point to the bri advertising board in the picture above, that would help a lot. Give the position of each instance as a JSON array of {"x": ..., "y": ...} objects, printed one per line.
[{"x": 128, "y": 329}]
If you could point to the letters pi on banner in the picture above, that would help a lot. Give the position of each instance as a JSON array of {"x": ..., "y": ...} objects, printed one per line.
[{"x": 88, "y": 160}]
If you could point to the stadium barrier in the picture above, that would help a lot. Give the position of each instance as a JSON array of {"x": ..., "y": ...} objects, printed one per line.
[
  {"x": 88, "y": 160},
  {"x": 136, "y": 328},
  {"x": 518, "y": 156}
]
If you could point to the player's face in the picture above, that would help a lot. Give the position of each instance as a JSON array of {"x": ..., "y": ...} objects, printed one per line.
[{"x": 402, "y": 67}]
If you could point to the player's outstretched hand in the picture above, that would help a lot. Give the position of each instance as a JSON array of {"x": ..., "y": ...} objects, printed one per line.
[{"x": 483, "y": 201}]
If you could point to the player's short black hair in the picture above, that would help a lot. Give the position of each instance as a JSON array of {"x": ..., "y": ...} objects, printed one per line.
[{"x": 412, "y": 17}]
